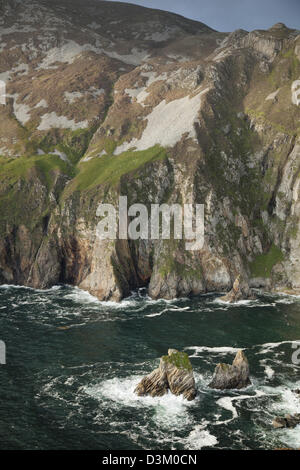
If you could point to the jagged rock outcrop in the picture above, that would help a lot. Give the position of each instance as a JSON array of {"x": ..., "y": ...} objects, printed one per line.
[
  {"x": 166, "y": 121},
  {"x": 174, "y": 373},
  {"x": 233, "y": 376},
  {"x": 288, "y": 421},
  {"x": 240, "y": 291}
]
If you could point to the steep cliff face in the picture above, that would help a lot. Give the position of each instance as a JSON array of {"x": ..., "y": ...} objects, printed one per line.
[{"x": 112, "y": 100}]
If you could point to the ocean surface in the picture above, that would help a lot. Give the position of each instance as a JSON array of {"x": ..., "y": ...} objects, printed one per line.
[{"x": 73, "y": 363}]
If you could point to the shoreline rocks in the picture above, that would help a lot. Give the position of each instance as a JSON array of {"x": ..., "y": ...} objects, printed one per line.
[
  {"x": 239, "y": 291},
  {"x": 235, "y": 376},
  {"x": 288, "y": 421},
  {"x": 174, "y": 373}
]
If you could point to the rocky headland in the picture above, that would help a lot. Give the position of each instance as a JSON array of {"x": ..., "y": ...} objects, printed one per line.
[{"x": 104, "y": 101}]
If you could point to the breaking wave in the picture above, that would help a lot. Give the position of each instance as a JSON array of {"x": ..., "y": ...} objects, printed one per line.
[{"x": 85, "y": 358}]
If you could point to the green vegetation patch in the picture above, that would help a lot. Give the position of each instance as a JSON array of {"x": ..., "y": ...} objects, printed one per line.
[
  {"x": 25, "y": 184},
  {"x": 170, "y": 265},
  {"x": 11, "y": 170},
  {"x": 263, "y": 264},
  {"x": 108, "y": 169},
  {"x": 179, "y": 359},
  {"x": 73, "y": 143}
]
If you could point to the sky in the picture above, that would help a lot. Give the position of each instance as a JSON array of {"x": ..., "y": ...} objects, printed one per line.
[{"x": 228, "y": 15}]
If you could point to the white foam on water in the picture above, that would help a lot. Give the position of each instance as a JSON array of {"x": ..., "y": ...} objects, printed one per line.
[
  {"x": 166, "y": 310},
  {"x": 179, "y": 309},
  {"x": 152, "y": 315},
  {"x": 15, "y": 286},
  {"x": 84, "y": 297},
  {"x": 290, "y": 437},
  {"x": 239, "y": 302},
  {"x": 81, "y": 296},
  {"x": 223, "y": 350},
  {"x": 121, "y": 391},
  {"x": 268, "y": 369},
  {"x": 267, "y": 347},
  {"x": 126, "y": 303},
  {"x": 200, "y": 437},
  {"x": 172, "y": 411},
  {"x": 226, "y": 403},
  {"x": 169, "y": 411},
  {"x": 50, "y": 389},
  {"x": 286, "y": 301},
  {"x": 150, "y": 301},
  {"x": 9, "y": 286},
  {"x": 285, "y": 296},
  {"x": 244, "y": 303},
  {"x": 289, "y": 403}
]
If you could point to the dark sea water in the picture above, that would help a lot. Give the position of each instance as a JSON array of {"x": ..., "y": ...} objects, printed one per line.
[{"x": 73, "y": 363}]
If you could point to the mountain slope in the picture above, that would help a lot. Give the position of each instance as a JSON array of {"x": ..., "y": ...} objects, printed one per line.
[{"x": 109, "y": 99}]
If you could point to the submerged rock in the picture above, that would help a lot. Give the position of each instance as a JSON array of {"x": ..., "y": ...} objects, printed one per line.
[
  {"x": 174, "y": 373},
  {"x": 288, "y": 421},
  {"x": 239, "y": 291},
  {"x": 228, "y": 376}
]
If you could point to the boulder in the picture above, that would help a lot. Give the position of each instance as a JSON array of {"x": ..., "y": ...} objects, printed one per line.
[
  {"x": 239, "y": 291},
  {"x": 288, "y": 421},
  {"x": 228, "y": 376},
  {"x": 175, "y": 373}
]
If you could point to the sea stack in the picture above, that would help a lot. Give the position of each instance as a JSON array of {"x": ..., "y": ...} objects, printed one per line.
[
  {"x": 228, "y": 376},
  {"x": 175, "y": 373},
  {"x": 239, "y": 291}
]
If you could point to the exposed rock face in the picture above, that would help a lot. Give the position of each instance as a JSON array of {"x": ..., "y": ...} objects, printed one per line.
[
  {"x": 288, "y": 421},
  {"x": 154, "y": 384},
  {"x": 228, "y": 376},
  {"x": 174, "y": 373},
  {"x": 107, "y": 99},
  {"x": 240, "y": 291}
]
